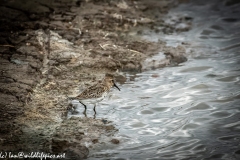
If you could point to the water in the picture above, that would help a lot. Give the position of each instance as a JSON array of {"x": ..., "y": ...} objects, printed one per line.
[{"x": 191, "y": 111}]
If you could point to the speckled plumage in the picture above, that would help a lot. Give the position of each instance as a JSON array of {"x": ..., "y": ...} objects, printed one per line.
[{"x": 96, "y": 92}]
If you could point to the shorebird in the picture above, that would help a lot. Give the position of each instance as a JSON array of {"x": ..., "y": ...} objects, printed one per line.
[{"x": 96, "y": 92}]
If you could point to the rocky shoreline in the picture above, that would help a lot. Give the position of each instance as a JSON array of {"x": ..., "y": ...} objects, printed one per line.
[{"x": 50, "y": 49}]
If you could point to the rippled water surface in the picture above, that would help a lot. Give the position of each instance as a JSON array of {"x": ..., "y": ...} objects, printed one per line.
[{"x": 191, "y": 111}]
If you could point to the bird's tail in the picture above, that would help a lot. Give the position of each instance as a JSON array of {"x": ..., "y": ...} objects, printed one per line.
[{"x": 71, "y": 98}]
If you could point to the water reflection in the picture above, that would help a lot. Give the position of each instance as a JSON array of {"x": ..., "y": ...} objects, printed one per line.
[{"x": 185, "y": 112}]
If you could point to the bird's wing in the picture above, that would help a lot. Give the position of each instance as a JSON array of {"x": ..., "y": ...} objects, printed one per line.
[{"x": 92, "y": 92}]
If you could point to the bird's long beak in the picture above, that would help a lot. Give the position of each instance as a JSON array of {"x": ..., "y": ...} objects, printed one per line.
[{"x": 116, "y": 86}]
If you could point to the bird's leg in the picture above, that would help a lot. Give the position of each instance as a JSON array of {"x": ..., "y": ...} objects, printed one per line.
[
  {"x": 83, "y": 105},
  {"x": 84, "y": 112},
  {"x": 94, "y": 111},
  {"x": 94, "y": 108}
]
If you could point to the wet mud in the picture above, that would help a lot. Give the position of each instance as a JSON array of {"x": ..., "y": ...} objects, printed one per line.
[{"x": 50, "y": 49}]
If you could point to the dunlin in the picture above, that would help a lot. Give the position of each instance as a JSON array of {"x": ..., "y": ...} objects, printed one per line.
[{"x": 96, "y": 92}]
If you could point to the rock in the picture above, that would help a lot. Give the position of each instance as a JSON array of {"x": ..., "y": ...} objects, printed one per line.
[
  {"x": 155, "y": 75},
  {"x": 95, "y": 141},
  {"x": 59, "y": 145},
  {"x": 115, "y": 141}
]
